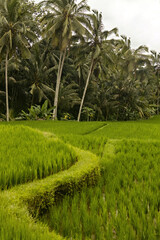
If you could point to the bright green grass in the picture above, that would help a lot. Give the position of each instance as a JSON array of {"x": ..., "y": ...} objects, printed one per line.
[
  {"x": 86, "y": 142},
  {"x": 132, "y": 130},
  {"x": 26, "y": 154},
  {"x": 61, "y": 127},
  {"x": 12, "y": 228},
  {"x": 143, "y": 129},
  {"x": 20, "y": 203},
  {"x": 125, "y": 204}
]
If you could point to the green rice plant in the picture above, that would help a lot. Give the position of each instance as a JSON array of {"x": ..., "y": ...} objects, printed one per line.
[
  {"x": 124, "y": 205},
  {"x": 12, "y": 228},
  {"x": 86, "y": 142},
  {"x": 26, "y": 155},
  {"x": 130, "y": 130},
  {"x": 60, "y": 128},
  {"x": 19, "y": 204},
  {"x": 143, "y": 129}
]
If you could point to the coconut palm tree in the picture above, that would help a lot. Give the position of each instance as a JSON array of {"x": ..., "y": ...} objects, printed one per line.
[
  {"x": 40, "y": 72},
  {"x": 65, "y": 19},
  {"x": 129, "y": 77},
  {"x": 13, "y": 36},
  {"x": 96, "y": 44},
  {"x": 155, "y": 61}
]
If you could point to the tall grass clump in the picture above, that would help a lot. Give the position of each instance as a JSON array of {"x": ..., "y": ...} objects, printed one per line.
[
  {"x": 12, "y": 228},
  {"x": 124, "y": 205},
  {"x": 91, "y": 143},
  {"x": 26, "y": 155}
]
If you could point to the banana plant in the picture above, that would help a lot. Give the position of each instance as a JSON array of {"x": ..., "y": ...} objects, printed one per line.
[{"x": 36, "y": 112}]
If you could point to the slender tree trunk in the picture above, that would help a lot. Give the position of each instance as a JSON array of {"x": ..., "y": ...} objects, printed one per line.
[
  {"x": 64, "y": 55},
  {"x": 85, "y": 89},
  {"x": 158, "y": 95},
  {"x": 6, "y": 83},
  {"x": 59, "y": 74},
  {"x": 158, "y": 103}
]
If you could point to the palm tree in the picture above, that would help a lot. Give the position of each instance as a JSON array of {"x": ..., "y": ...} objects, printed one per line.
[
  {"x": 13, "y": 36},
  {"x": 96, "y": 46},
  {"x": 68, "y": 97},
  {"x": 155, "y": 60},
  {"x": 65, "y": 19},
  {"x": 40, "y": 70},
  {"x": 129, "y": 77}
]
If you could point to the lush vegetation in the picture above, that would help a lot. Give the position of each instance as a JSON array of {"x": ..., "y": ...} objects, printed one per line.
[
  {"x": 59, "y": 51},
  {"x": 61, "y": 128},
  {"x": 13, "y": 228},
  {"x": 70, "y": 179},
  {"x": 111, "y": 193},
  {"x": 20, "y": 203},
  {"x": 93, "y": 144},
  {"x": 23, "y": 158},
  {"x": 123, "y": 205}
]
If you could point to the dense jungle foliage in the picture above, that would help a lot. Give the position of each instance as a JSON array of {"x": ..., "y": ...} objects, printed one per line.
[{"x": 59, "y": 51}]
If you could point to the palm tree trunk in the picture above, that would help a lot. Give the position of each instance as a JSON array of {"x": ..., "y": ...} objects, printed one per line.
[
  {"x": 6, "y": 83},
  {"x": 85, "y": 89},
  {"x": 158, "y": 94},
  {"x": 59, "y": 74},
  {"x": 158, "y": 103}
]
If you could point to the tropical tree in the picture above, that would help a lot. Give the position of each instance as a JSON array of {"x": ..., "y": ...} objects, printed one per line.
[
  {"x": 68, "y": 97},
  {"x": 129, "y": 81},
  {"x": 95, "y": 46},
  {"x": 155, "y": 62},
  {"x": 14, "y": 36},
  {"x": 39, "y": 71},
  {"x": 65, "y": 19}
]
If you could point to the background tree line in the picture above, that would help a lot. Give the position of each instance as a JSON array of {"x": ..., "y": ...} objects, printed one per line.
[{"x": 59, "y": 51}]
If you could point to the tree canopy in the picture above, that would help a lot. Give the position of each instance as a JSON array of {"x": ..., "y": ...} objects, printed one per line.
[{"x": 59, "y": 51}]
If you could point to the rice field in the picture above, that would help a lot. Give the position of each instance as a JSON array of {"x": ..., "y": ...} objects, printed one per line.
[
  {"x": 26, "y": 155},
  {"x": 61, "y": 128},
  {"x": 142, "y": 129},
  {"x": 124, "y": 205},
  {"x": 13, "y": 228},
  {"x": 94, "y": 144}
]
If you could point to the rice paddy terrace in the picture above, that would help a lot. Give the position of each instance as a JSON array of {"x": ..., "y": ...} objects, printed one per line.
[{"x": 80, "y": 181}]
